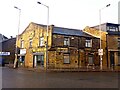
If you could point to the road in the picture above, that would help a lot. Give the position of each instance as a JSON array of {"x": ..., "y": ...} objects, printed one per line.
[{"x": 17, "y": 78}]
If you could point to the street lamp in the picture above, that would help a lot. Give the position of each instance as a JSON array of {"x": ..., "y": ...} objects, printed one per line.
[
  {"x": 16, "y": 48},
  {"x": 101, "y": 50},
  {"x": 47, "y": 33}
]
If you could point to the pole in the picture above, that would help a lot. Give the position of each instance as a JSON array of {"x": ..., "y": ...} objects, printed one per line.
[
  {"x": 100, "y": 38},
  {"x": 46, "y": 33},
  {"x": 16, "y": 48},
  {"x": 101, "y": 58},
  {"x": 47, "y": 39}
]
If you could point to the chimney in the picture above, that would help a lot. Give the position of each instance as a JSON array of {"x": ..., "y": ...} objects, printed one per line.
[{"x": 11, "y": 37}]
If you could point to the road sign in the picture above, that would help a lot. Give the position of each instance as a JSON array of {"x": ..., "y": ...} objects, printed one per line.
[
  {"x": 100, "y": 51},
  {"x": 4, "y": 53}
]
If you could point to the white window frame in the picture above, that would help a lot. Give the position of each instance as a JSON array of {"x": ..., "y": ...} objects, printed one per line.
[
  {"x": 88, "y": 43},
  {"x": 66, "y": 41},
  {"x": 41, "y": 41},
  {"x": 113, "y": 28}
]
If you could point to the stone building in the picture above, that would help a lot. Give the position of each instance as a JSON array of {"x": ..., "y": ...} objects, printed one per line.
[
  {"x": 67, "y": 48},
  {"x": 110, "y": 42}
]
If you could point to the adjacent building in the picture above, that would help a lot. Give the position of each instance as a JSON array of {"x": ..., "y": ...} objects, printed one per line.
[
  {"x": 110, "y": 42},
  {"x": 2, "y": 38},
  {"x": 8, "y": 50},
  {"x": 67, "y": 48}
]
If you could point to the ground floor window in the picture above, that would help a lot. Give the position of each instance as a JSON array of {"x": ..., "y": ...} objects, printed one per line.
[
  {"x": 90, "y": 60},
  {"x": 38, "y": 60},
  {"x": 66, "y": 58}
]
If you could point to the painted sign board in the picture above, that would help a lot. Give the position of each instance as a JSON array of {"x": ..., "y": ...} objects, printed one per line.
[{"x": 4, "y": 53}]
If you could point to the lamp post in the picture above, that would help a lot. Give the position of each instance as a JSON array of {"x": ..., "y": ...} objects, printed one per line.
[
  {"x": 47, "y": 33},
  {"x": 16, "y": 48},
  {"x": 101, "y": 50}
]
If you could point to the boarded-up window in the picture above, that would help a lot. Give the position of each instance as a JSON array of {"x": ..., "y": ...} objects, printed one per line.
[
  {"x": 90, "y": 60},
  {"x": 66, "y": 58}
]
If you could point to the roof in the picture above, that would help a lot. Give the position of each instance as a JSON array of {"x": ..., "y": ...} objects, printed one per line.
[
  {"x": 34, "y": 24},
  {"x": 107, "y": 24},
  {"x": 71, "y": 32},
  {"x": 63, "y": 31},
  {"x": 8, "y": 39}
]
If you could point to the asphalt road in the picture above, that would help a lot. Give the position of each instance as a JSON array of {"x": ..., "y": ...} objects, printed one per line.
[{"x": 16, "y": 78}]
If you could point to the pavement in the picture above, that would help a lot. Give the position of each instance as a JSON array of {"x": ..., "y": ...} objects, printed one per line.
[{"x": 80, "y": 69}]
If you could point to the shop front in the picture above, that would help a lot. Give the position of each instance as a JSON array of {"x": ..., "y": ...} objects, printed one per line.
[{"x": 38, "y": 59}]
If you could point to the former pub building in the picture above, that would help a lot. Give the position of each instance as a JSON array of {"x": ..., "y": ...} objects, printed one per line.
[{"x": 67, "y": 48}]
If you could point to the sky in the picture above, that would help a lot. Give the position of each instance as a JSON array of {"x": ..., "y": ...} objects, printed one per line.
[{"x": 75, "y": 14}]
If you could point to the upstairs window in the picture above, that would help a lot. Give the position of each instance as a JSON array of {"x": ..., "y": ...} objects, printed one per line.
[
  {"x": 22, "y": 44},
  {"x": 30, "y": 43},
  {"x": 66, "y": 41},
  {"x": 88, "y": 43},
  {"x": 112, "y": 28},
  {"x": 41, "y": 41}
]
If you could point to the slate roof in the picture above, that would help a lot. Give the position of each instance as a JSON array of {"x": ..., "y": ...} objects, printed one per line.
[{"x": 70, "y": 32}]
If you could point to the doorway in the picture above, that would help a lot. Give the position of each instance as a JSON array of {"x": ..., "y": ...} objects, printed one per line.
[
  {"x": 38, "y": 61},
  {"x": 112, "y": 59}
]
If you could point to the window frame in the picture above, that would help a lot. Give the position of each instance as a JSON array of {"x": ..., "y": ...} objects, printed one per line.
[
  {"x": 113, "y": 28},
  {"x": 88, "y": 43},
  {"x": 66, "y": 58},
  {"x": 90, "y": 60},
  {"x": 66, "y": 41},
  {"x": 41, "y": 41}
]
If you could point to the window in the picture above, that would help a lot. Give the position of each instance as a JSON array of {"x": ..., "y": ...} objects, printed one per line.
[
  {"x": 119, "y": 42},
  {"x": 22, "y": 44},
  {"x": 66, "y": 41},
  {"x": 90, "y": 60},
  {"x": 112, "y": 28},
  {"x": 30, "y": 43},
  {"x": 66, "y": 59},
  {"x": 88, "y": 43},
  {"x": 42, "y": 41}
]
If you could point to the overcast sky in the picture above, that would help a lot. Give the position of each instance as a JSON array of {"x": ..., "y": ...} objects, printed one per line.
[{"x": 63, "y": 13}]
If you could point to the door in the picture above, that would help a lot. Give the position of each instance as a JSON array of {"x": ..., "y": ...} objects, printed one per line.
[
  {"x": 112, "y": 58},
  {"x": 38, "y": 61}
]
